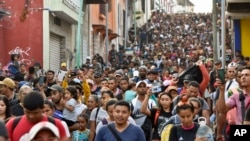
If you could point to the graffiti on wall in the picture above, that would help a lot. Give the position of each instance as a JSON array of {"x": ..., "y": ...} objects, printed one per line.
[{"x": 23, "y": 54}]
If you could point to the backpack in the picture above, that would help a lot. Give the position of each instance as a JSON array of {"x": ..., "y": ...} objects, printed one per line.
[
  {"x": 166, "y": 132},
  {"x": 17, "y": 119}
]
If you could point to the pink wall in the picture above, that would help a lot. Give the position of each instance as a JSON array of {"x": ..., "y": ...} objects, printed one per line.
[{"x": 23, "y": 37}]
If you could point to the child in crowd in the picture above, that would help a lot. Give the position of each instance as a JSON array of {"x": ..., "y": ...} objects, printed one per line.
[
  {"x": 82, "y": 134},
  {"x": 70, "y": 97},
  {"x": 49, "y": 110}
]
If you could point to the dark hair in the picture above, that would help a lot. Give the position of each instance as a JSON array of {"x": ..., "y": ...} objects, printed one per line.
[
  {"x": 170, "y": 96},
  {"x": 72, "y": 91},
  {"x": 113, "y": 78},
  {"x": 195, "y": 100},
  {"x": 124, "y": 78},
  {"x": 110, "y": 93},
  {"x": 12, "y": 56},
  {"x": 31, "y": 70},
  {"x": 84, "y": 116},
  {"x": 123, "y": 103},
  {"x": 246, "y": 68},
  {"x": 33, "y": 100},
  {"x": 49, "y": 103},
  {"x": 184, "y": 104},
  {"x": 131, "y": 85},
  {"x": 110, "y": 103},
  {"x": 6, "y": 102},
  {"x": 51, "y": 71},
  {"x": 194, "y": 84},
  {"x": 79, "y": 88}
]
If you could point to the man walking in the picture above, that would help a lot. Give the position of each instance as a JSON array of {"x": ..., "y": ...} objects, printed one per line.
[{"x": 121, "y": 129}]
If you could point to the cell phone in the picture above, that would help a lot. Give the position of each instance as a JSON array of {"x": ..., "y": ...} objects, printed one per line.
[
  {"x": 221, "y": 75},
  {"x": 41, "y": 80}
]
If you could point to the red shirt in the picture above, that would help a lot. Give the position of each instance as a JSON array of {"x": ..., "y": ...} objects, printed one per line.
[{"x": 23, "y": 127}]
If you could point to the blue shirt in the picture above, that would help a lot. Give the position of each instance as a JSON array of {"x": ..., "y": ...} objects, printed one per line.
[
  {"x": 131, "y": 133},
  {"x": 80, "y": 136}
]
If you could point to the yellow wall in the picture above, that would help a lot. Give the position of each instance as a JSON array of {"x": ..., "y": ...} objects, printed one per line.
[{"x": 245, "y": 37}]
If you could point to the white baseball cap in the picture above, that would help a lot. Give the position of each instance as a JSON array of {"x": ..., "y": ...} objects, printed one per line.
[{"x": 43, "y": 125}]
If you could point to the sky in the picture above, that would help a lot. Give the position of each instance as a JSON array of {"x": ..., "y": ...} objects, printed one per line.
[{"x": 202, "y": 6}]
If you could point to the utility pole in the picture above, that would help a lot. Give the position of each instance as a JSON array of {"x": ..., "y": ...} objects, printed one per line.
[
  {"x": 223, "y": 33},
  {"x": 215, "y": 30},
  {"x": 107, "y": 34},
  {"x": 79, "y": 39},
  {"x": 147, "y": 21},
  {"x": 134, "y": 19},
  {"x": 126, "y": 24}
]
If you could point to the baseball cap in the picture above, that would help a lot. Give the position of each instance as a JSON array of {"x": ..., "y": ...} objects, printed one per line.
[
  {"x": 56, "y": 87},
  {"x": 88, "y": 57},
  {"x": 63, "y": 64},
  {"x": 171, "y": 88},
  {"x": 140, "y": 82},
  {"x": 43, "y": 125},
  {"x": 97, "y": 74},
  {"x": 8, "y": 82},
  {"x": 72, "y": 74},
  {"x": 118, "y": 73},
  {"x": 218, "y": 62},
  {"x": 143, "y": 67}
]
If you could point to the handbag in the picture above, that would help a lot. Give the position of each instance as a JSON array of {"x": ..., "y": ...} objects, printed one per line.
[{"x": 114, "y": 133}]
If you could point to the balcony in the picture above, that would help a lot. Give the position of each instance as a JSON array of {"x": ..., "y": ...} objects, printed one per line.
[{"x": 96, "y": 1}]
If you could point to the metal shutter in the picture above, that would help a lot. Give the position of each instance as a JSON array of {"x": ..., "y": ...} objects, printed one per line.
[{"x": 54, "y": 52}]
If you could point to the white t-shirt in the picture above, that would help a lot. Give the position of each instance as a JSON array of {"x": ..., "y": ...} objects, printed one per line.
[
  {"x": 100, "y": 115},
  {"x": 137, "y": 115}
]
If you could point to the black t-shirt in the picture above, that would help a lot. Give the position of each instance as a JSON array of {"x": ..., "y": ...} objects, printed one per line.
[
  {"x": 160, "y": 122},
  {"x": 17, "y": 110},
  {"x": 177, "y": 133}
]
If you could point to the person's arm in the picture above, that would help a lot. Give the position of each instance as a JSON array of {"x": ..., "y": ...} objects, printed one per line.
[
  {"x": 86, "y": 91},
  {"x": 206, "y": 114},
  {"x": 69, "y": 105},
  {"x": 205, "y": 81},
  {"x": 92, "y": 131},
  {"x": 144, "y": 106},
  {"x": 222, "y": 109},
  {"x": 92, "y": 125}
]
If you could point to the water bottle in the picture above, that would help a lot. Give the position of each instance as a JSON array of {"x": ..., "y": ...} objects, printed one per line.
[{"x": 204, "y": 130}]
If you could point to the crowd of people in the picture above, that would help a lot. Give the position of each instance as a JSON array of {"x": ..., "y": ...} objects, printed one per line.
[{"x": 167, "y": 89}]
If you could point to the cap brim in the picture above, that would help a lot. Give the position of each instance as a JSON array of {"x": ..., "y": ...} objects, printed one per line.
[
  {"x": 53, "y": 89},
  {"x": 43, "y": 125}
]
